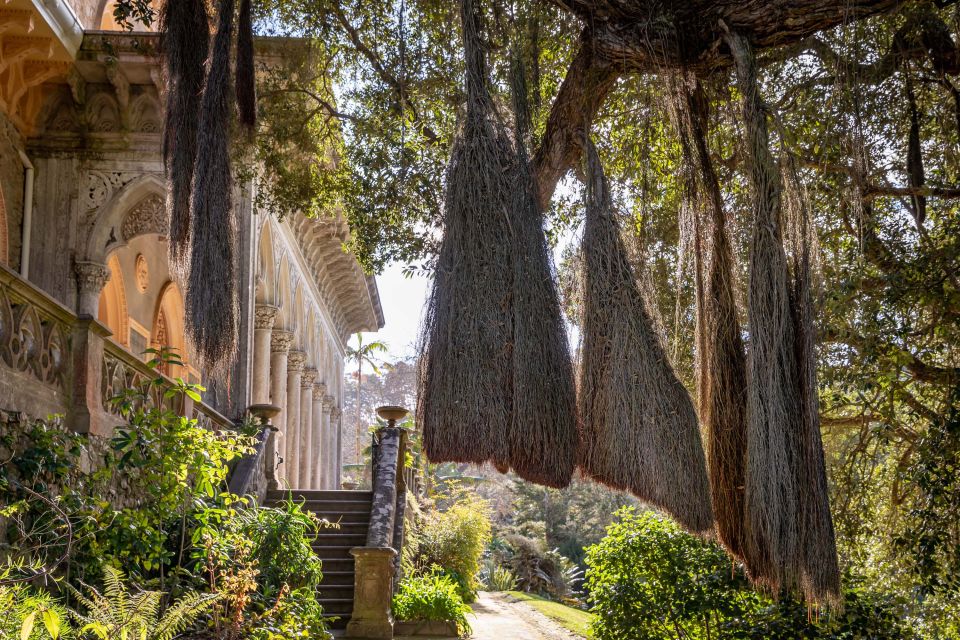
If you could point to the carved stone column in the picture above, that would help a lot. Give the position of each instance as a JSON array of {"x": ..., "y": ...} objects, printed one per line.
[
  {"x": 91, "y": 278},
  {"x": 331, "y": 475},
  {"x": 280, "y": 341},
  {"x": 264, "y": 316},
  {"x": 336, "y": 428},
  {"x": 321, "y": 417},
  {"x": 294, "y": 372},
  {"x": 305, "y": 457}
]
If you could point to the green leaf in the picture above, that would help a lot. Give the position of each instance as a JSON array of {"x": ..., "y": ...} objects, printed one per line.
[
  {"x": 51, "y": 621},
  {"x": 27, "y": 627}
]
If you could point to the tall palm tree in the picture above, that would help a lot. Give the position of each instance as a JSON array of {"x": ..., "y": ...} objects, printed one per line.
[{"x": 364, "y": 353}]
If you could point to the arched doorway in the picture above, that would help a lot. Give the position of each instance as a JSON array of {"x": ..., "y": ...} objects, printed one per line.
[{"x": 112, "y": 310}]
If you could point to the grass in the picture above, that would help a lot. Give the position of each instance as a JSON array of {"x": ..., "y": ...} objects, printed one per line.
[{"x": 569, "y": 618}]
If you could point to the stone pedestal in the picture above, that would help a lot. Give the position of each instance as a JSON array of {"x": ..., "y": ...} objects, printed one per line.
[
  {"x": 373, "y": 593},
  {"x": 87, "y": 413}
]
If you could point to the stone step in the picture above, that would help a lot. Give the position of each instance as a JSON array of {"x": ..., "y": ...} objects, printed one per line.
[
  {"x": 326, "y": 494},
  {"x": 338, "y": 564},
  {"x": 334, "y": 592},
  {"x": 337, "y": 606},
  {"x": 340, "y": 622},
  {"x": 336, "y": 577},
  {"x": 329, "y": 552},
  {"x": 340, "y": 539},
  {"x": 322, "y": 507},
  {"x": 347, "y": 527}
]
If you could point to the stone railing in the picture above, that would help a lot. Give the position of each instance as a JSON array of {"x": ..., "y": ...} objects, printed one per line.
[
  {"x": 35, "y": 347},
  {"x": 122, "y": 370},
  {"x": 54, "y": 362},
  {"x": 377, "y": 562}
]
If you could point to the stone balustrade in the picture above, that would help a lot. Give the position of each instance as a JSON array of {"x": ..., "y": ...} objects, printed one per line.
[{"x": 53, "y": 361}]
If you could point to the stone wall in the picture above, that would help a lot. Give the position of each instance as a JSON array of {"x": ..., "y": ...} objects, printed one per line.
[{"x": 11, "y": 186}]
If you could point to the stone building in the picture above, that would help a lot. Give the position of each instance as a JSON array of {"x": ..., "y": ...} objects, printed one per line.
[{"x": 85, "y": 285}]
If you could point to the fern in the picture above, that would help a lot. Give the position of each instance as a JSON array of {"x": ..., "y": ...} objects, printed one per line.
[{"x": 116, "y": 614}]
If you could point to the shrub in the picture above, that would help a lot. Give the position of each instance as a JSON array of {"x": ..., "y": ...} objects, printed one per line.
[
  {"x": 502, "y": 579},
  {"x": 538, "y": 569},
  {"x": 648, "y": 579},
  {"x": 455, "y": 539},
  {"x": 25, "y": 613},
  {"x": 432, "y": 596}
]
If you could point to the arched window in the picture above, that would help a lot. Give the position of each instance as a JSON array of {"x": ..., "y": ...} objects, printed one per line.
[{"x": 112, "y": 311}]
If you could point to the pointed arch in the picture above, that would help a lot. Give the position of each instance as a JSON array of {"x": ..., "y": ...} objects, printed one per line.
[
  {"x": 168, "y": 330},
  {"x": 112, "y": 308},
  {"x": 266, "y": 269}
]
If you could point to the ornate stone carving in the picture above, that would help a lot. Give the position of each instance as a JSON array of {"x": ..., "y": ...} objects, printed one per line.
[
  {"x": 308, "y": 378},
  {"x": 91, "y": 276},
  {"x": 319, "y": 391},
  {"x": 31, "y": 341},
  {"x": 99, "y": 186},
  {"x": 295, "y": 361},
  {"x": 142, "y": 273},
  {"x": 264, "y": 316},
  {"x": 329, "y": 408},
  {"x": 280, "y": 341},
  {"x": 149, "y": 216}
]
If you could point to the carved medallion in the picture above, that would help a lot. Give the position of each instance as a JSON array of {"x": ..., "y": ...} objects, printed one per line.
[{"x": 142, "y": 273}]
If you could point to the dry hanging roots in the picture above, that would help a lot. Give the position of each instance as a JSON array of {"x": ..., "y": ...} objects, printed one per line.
[
  {"x": 790, "y": 537},
  {"x": 492, "y": 326},
  {"x": 212, "y": 310},
  {"x": 820, "y": 571},
  {"x": 186, "y": 38},
  {"x": 639, "y": 426},
  {"x": 721, "y": 357},
  {"x": 246, "y": 88}
]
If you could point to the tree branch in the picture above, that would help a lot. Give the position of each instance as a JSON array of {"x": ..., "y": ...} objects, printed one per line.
[{"x": 588, "y": 82}]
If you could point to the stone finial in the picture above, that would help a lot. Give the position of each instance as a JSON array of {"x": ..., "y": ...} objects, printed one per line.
[
  {"x": 264, "y": 316},
  {"x": 319, "y": 391},
  {"x": 295, "y": 361},
  {"x": 280, "y": 341},
  {"x": 91, "y": 276},
  {"x": 308, "y": 378}
]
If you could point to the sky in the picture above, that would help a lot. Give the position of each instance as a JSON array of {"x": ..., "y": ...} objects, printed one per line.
[{"x": 402, "y": 300}]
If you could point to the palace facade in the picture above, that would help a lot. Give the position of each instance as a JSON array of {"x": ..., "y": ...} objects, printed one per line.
[{"x": 85, "y": 283}]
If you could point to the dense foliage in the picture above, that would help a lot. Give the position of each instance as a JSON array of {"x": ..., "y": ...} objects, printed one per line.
[
  {"x": 648, "y": 579},
  {"x": 431, "y": 596},
  {"x": 155, "y": 505}
]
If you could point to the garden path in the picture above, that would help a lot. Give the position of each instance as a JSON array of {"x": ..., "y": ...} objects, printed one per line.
[{"x": 496, "y": 617}]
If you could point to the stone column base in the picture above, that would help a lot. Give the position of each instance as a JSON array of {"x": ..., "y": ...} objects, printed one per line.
[{"x": 372, "y": 593}]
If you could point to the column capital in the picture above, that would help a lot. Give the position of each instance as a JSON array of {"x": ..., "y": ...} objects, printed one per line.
[
  {"x": 328, "y": 403},
  {"x": 91, "y": 276},
  {"x": 295, "y": 361},
  {"x": 264, "y": 316},
  {"x": 280, "y": 340},
  {"x": 308, "y": 377},
  {"x": 319, "y": 391}
]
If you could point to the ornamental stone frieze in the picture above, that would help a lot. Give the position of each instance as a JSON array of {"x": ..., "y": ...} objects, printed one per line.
[
  {"x": 149, "y": 216},
  {"x": 97, "y": 187}
]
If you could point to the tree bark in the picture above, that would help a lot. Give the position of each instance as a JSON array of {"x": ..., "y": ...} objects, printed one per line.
[
  {"x": 588, "y": 82},
  {"x": 651, "y": 35}
]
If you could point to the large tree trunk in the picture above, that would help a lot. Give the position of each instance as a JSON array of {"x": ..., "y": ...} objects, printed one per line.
[{"x": 644, "y": 36}]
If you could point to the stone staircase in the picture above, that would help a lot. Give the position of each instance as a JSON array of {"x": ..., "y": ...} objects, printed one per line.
[{"x": 351, "y": 509}]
